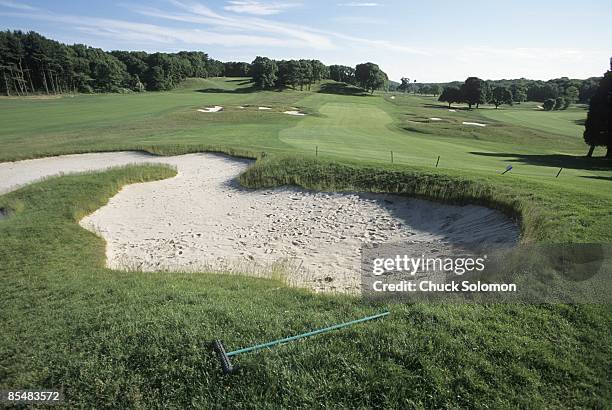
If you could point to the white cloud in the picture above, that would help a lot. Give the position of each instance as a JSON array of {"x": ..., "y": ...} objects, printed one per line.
[
  {"x": 359, "y": 4},
  {"x": 258, "y": 8},
  {"x": 193, "y": 12},
  {"x": 211, "y": 27},
  {"x": 301, "y": 36},
  {"x": 17, "y": 6}
]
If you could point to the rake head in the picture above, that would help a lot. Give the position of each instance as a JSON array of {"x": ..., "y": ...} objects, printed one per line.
[{"x": 226, "y": 365}]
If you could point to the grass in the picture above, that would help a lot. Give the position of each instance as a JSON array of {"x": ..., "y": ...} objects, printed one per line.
[
  {"x": 568, "y": 122},
  {"x": 114, "y": 339},
  {"x": 139, "y": 340}
]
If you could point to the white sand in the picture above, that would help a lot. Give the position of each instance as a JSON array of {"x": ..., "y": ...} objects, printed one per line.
[
  {"x": 16, "y": 174},
  {"x": 474, "y": 123},
  {"x": 393, "y": 97},
  {"x": 216, "y": 108},
  {"x": 435, "y": 119},
  {"x": 539, "y": 107},
  {"x": 265, "y": 108},
  {"x": 294, "y": 113},
  {"x": 202, "y": 220},
  {"x": 452, "y": 110},
  {"x": 241, "y": 107}
]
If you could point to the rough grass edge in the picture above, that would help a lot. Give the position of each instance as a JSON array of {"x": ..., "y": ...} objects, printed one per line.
[{"x": 323, "y": 175}]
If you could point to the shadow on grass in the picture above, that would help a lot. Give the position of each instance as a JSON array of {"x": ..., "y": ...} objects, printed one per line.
[
  {"x": 244, "y": 90},
  {"x": 342, "y": 89},
  {"x": 417, "y": 130},
  {"x": 241, "y": 81},
  {"x": 597, "y": 177},
  {"x": 445, "y": 107},
  {"x": 553, "y": 160}
]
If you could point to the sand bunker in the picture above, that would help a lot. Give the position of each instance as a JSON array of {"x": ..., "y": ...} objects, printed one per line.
[
  {"x": 265, "y": 108},
  {"x": 477, "y": 124},
  {"x": 216, "y": 108},
  {"x": 452, "y": 110},
  {"x": 202, "y": 220},
  {"x": 435, "y": 119},
  {"x": 393, "y": 97},
  {"x": 294, "y": 113},
  {"x": 16, "y": 174}
]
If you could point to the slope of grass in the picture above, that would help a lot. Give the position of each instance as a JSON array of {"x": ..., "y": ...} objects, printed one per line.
[
  {"x": 140, "y": 340},
  {"x": 568, "y": 122}
]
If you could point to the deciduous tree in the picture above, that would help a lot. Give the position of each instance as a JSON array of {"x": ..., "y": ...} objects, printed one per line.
[
  {"x": 501, "y": 95},
  {"x": 599, "y": 118},
  {"x": 474, "y": 92},
  {"x": 450, "y": 95}
]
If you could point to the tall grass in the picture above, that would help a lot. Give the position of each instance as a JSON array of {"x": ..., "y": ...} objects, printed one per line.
[{"x": 536, "y": 207}]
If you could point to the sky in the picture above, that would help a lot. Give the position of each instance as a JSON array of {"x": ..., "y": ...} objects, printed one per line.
[{"x": 427, "y": 41}]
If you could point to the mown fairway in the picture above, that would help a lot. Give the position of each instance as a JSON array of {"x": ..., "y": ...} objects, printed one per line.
[
  {"x": 568, "y": 122},
  {"x": 114, "y": 339}
]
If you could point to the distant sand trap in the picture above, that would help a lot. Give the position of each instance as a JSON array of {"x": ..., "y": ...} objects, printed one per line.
[
  {"x": 294, "y": 113},
  {"x": 201, "y": 220},
  {"x": 539, "y": 107},
  {"x": 452, "y": 110},
  {"x": 265, "y": 108},
  {"x": 393, "y": 97},
  {"x": 241, "y": 107},
  {"x": 435, "y": 119},
  {"x": 216, "y": 108},
  {"x": 474, "y": 123}
]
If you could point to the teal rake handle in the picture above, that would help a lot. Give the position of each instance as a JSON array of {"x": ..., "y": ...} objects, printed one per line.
[{"x": 224, "y": 357}]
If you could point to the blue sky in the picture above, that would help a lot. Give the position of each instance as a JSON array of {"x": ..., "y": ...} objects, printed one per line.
[{"x": 435, "y": 40}]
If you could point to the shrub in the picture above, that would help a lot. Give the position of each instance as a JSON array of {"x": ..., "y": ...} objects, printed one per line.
[{"x": 549, "y": 104}]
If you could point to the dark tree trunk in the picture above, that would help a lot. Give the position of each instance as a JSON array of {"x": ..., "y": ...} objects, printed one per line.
[
  {"x": 609, "y": 151},
  {"x": 590, "y": 153}
]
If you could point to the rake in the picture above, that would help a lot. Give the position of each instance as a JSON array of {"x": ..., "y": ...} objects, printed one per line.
[{"x": 224, "y": 357}]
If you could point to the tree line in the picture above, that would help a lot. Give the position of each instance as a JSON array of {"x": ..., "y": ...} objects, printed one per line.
[
  {"x": 31, "y": 63},
  {"x": 268, "y": 73},
  {"x": 555, "y": 94}
]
